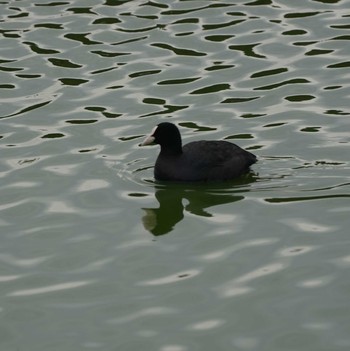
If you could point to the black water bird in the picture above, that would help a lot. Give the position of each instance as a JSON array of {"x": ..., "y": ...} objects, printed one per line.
[{"x": 203, "y": 160}]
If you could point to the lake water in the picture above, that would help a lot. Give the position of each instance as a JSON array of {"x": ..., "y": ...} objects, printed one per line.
[{"x": 95, "y": 255}]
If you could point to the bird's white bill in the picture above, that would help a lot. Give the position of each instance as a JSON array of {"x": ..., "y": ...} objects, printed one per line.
[
  {"x": 148, "y": 141},
  {"x": 150, "y": 138}
]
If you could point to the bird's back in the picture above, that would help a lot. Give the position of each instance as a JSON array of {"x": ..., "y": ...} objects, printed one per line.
[{"x": 205, "y": 161}]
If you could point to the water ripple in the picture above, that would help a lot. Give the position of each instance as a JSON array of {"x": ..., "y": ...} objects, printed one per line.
[
  {"x": 238, "y": 285},
  {"x": 49, "y": 289},
  {"x": 170, "y": 279},
  {"x": 152, "y": 311},
  {"x": 179, "y": 51}
]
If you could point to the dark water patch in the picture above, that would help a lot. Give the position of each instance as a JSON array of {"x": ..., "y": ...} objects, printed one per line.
[
  {"x": 222, "y": 25},
  {"x": 275, "y": 21},
  {"x": 178, "y": 81},
  {"x": 103, "y": 111},
  {"x": 138, "y": 30},
  {"x": 253, "y": 115},
  {"x": 128, "y": 138},
  {"x": 104, "y": 70},
  {"x": 109, "y": 53},
  {"x": 220, "y": 5},
  {"x": 259, "y": 3},
  {"x": 331, "y": 163},
  {"x": 196, "y": 127},
  {"x": 287, "y": 82},
  {"x": 322, "y": 163},
  {"x": 341, "y": 26},
  {"x": 179, "y": 51},
  {"x": 115, "y": 2},
  {"x": 218, "y": 38},
  {"x": 300, "y": 98},
  {"x": 239, "y": 100},
  {"x": 144, "y": 73},
  {"x": 269, "y": 72},
  {"x": 81, "y": 121},
  {"x": 54, "y": 3},
  {"x": 63, "y": 63},
  {"x": 337, "y": 186},
  {"x": 6, "y": 61},
  {"x": 341, "y": 37},
  {"x": 84, "y": 151},
  {"x": 72, "y": 81},
  {"x": 82, "y": 38},
  {"x": 130, "y": 40},
  {"x": 328, "y": 1},
  {"x": 184, "y": 34},
  {"x": 81, "y": 10},
  {"x": 138, "y": 194},
  {"x": 29, "y": 76},
  {"x": 282, "y": 200},
  {"x": 315, "y": 52},
  {"x": 106, "y": 20},
  {"x": 19, "y": 15},
  {"x": 95, "y": 108},
  {"x": 53, "y": 136},
  {"x": 180, "y": 12},
  {"x": 310, "y": 129},
  {"x": 154, "y": 101},
  {"x": 248, "y": 50},
  {"x": 111, "y": 114},
  {"x": 304, "y": 43},
  {"x": 211, "y": 89},
  {"x": 115, "y": 87},
  {"x": 187, "y": 21},
  {"x": 10, "y": 69},
  {"x": 168, "y": 109},
  {"x": 49, "y": 25},
  {"x": 337, "y": 113},
  {"x": 345, "y": 64},
  {"x": 301, "y": 14},
  {"x": 240, "y": 136},
  {"x": 239, "y": 14},
  {"x": 155, "y": 4},
  {"x": 27, "y": 160},
  {"x": 38, "y": 50},
  {"x": 274, "y": 125},
  {"x": 27, "y": 109},
  {"x": 149, "y": 17},
  {"x": 10, "y": 33},
  {"x": 295, "y": 32},
  {"x": 333, "y": 87},
  {"x": 7, "y": 86},
  {"x": 218, "y": 66},
  {"x": 185, "y": 11}
]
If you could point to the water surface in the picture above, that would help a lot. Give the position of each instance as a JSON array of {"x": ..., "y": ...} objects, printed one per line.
[{"x": 95, "y": 254}]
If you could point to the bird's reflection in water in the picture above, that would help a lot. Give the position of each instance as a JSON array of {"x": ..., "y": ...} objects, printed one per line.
[{"x": 199, "y": 198}]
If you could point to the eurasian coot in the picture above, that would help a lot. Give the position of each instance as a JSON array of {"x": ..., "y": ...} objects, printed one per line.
[{"x": 196, "y": 161}]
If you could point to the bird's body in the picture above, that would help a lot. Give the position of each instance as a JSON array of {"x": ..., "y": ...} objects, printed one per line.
[{"x": 204, "y": 160}]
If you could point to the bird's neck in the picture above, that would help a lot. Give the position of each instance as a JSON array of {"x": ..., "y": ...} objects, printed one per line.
[{"x": 171, "y": 150}]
